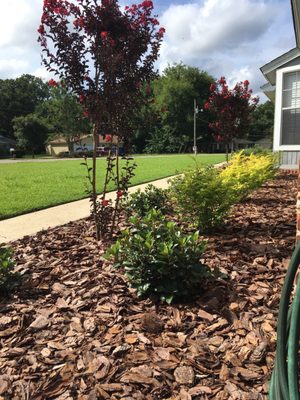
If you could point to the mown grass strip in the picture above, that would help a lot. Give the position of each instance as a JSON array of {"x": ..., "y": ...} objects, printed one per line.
[{"x": 26, "y": 187}]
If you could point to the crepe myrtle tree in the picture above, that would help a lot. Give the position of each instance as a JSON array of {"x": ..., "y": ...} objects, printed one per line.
[
  {"x": 232, "y": 109},
  {"x": 105, "y": 55}
]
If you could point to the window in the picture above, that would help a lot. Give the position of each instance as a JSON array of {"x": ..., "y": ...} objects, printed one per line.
[{"x": 290, "y": 124}]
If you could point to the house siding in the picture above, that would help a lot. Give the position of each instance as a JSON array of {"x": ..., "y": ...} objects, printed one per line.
[
  {"x": 290, "y": 158},
  {"x": 55, "y": 149},
  {"x": 298, "y": 208}
]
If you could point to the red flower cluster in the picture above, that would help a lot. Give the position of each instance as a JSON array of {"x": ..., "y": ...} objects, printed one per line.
[
  {"x": 81, "y": 98},
  {"x": 86, "y": 113},
  {"x": 119, "y": 193},
  {"x": 218, "y": 138},
  {"x": 41, "y": 29},
  {"x": 155, "y": 21},
  {"x": 147, "y": 4},
  {"x": 104, "y": 34},
  {"x": 50, "y": 3},
  {"x": 52, "y": 83},
  {"x": 61, "y": 11},
  {"x": 161, "y": 31},
  {"x": 105, "y": 203},
  {"x": 79, "y": 22}
]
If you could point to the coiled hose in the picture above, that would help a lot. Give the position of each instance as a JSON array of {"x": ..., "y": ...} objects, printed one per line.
[{"x": 285, "y": 381}]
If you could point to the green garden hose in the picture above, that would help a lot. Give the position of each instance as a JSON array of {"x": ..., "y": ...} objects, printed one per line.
[{"x": 284, "y": 382}]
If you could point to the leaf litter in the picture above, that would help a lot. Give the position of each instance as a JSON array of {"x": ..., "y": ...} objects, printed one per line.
[{"x": 74, "y": 330}]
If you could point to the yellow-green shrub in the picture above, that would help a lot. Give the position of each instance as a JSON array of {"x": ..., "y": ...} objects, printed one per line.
[
  {"x": 202, "y": 197},
  {"x": 246, "y": 173},
  {"x": 205, "y": 195}
]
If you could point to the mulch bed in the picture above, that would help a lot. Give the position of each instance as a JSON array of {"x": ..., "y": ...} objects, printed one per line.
[{"x": 75, "y": 331}]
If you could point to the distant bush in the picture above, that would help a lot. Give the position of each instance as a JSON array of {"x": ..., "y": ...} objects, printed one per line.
[
  {"x": 84, "y": 153},
  {"x": 256, "y": 150},
  {"x": 246, "y": 173},
  {"x": 8, "y": 278},
  {"x": 202, "y": 197},
  {"x": 159, "y": 259},
  {"x": 152, "y": 198},
  {"x": 19, "y": 153},
  {"x": 63, "y": 154}
]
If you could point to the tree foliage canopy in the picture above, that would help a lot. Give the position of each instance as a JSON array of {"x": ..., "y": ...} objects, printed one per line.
[
  {"x": 31, "y": 133},
  {"x": 174, "y": 93},
  {"x": 64, "y": 114},
  {"x": 18, "y": 97},
  {"x": 262, "y": 122}
]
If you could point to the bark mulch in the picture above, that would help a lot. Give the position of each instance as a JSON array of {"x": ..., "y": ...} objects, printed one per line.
[{"x": 74, "y": 330}]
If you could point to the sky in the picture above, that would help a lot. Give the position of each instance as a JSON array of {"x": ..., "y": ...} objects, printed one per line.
[{"x": 231, "y": 38}]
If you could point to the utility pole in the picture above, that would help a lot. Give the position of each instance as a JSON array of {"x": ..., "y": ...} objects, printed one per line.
[{"x": 195, "y": 127}]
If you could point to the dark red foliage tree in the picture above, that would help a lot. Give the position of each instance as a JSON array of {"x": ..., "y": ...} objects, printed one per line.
[
  {"x": 104, "y": 56},
  {"x": 232, "y": 109}
]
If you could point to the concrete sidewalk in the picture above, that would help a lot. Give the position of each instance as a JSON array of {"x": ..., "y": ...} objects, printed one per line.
[{"x": 29, "y": 224}]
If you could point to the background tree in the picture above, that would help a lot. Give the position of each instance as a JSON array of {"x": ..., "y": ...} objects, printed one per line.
[
  {"x": 18, "y": 97},
  {"x": 148, "y": 120},
  {"x": 64, "y": 114},
  {"x": 262, "y": 122},
  {"x": 104, "y": 55},
  {"x": 174, "y": 94},
  {"x": 31, "y": 133},
  {"x": 232, "y": 109}
]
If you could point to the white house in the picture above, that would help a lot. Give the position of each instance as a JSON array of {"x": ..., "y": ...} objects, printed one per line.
[{"x": 283, "y": 88}]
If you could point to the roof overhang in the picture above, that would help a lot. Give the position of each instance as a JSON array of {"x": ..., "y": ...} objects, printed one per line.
[
  {"x": 7, "y": 141},
  {"x": 269, "y": 91},
  {"x": 296, "y": 19},
  {"x": 269, "y": 69}
]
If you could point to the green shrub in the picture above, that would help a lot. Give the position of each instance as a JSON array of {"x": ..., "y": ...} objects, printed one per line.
[
  {"x": 202, "y": 197},
  {"x": 159, "y": 259},
  {"x": 246, "y": 173},
  {"x": 8, "y": 278},
  {"x": 151, "y": 198}
]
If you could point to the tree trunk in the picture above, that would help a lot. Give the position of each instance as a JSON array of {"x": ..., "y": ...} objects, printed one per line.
[
  {"x": 232, "y": 149},
  {"x": 117, "y": 190},
  {"x": 94, "y": 191},
  {"x": 69, "y": 144}
]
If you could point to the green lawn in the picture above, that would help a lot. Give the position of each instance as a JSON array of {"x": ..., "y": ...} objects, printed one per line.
[{"x": 27, "y": 186}]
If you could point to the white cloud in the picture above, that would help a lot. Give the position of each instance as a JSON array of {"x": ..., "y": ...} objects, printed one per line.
[
  {"x": 19, "y": 21},
  {"x": 20, "y": 52},
  {"x": 195, "y": 30},
  {"x": 226, "y": 37},
  {"x": 12, "y": 67}
]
